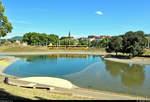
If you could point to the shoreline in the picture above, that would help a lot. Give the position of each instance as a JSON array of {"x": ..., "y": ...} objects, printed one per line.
[
  {"x": 136, "y": 60},
  {"x": 43, "y": 53},
  {"x": 57, "y": 52},
  {"x": 129, "y": 61},
  {"x": 10, "y": 61}
]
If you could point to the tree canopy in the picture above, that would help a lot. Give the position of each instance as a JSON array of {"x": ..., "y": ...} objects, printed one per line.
[
  {"x": 132, "y": 43},
  {"x": 33, "y": 38},
  {"x": 114, "y": 45},
  {"x": 5, "y": 25}
]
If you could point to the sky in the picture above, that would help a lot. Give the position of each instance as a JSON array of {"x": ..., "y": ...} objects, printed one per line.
[{"x": 80, "y": 17}]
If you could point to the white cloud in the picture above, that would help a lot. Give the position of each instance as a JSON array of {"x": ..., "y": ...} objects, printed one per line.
[{"x": 99, "y": 13}]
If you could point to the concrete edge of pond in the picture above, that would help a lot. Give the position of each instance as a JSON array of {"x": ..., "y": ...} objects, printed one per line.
[{"x": 52, "y": 81}]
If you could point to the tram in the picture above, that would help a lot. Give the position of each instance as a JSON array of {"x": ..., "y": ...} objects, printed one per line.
[{"x": 68, "y": 47}]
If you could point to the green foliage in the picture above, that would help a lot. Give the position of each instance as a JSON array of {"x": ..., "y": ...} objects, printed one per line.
[
  {"x": 114, "y": 45},
  {"x": 33, "y": 38},
  {"x": 95, "y": 43},
  {"x": 105, "y": 42},
  {"x": 5, "y": 25},
  {"x": 100, "y": 43},
  {"x": 52, "y": 38},
  {"x": 83, "y": 42},
  {"x": 132, "y": 43},
  {"x": 67, "y": 41}
]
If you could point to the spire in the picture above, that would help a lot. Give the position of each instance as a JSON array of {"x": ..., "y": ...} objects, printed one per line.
[{"x": 69, "y": 34}]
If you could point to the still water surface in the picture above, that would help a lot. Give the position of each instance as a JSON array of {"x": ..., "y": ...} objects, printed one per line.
[{"x": 86, "y": 71}]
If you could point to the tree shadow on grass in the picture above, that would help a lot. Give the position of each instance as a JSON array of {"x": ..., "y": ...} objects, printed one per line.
[
  {"x": 117, "y": 56},
  {"x": 7, "y": 96},
  {"x": 40, "y": 98}
]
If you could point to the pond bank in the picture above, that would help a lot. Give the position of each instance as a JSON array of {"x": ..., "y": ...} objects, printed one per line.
[
  {"x": 57, "y": 52},
  {"x": 136, "y": 60},
  {"x": 6, "y": 61},
  {"x": 110, "y": 96}
]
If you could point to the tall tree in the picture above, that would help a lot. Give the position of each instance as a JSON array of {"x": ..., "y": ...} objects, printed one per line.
[
  {"x": 104, "y": 42},
  {"x": 134, "y": 43},
  {"x": 114, "y": 45},
  {"x": 83, "y": 42},
  {"x": 5, "y": 25},
  {"x": 53, "y": 39}
]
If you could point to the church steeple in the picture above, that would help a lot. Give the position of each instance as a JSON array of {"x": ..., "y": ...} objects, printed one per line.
[{"x": 69, "y": 35}]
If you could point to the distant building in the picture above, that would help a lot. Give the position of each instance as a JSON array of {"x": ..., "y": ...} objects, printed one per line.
[
  {"x": 24, "y": 44},
  {"x": 83, "y": 38},
  {"x": 69, "y": 36},
  {"x": 17, "y": 43},
  {"x": 93, "y": 37}
]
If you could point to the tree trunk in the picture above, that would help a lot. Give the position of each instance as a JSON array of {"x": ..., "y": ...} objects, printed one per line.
[{"x": 116, "y": 53}]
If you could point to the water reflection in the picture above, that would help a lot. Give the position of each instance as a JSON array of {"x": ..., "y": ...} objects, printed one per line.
[
  {"x": 54, "y": 65},
  {"x": 86, "y": 71},
  {"x": 131, "y": 75},
  {"x": 36, "y": 58}
]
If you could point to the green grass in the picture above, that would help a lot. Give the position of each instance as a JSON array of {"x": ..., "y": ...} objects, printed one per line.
[
  {"x": 5, "y": 49},
  {"x": 22, "y": 49},
  {"x": 17, "y": 93},
  {"x": 41, "y": 49}
]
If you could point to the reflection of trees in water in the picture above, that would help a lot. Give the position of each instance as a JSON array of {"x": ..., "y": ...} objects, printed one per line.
[
  {"x": 133, "y": 75},
  {"x": 35, "y": 58}
]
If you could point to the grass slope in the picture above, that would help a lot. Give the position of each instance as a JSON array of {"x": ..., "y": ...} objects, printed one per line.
[{"x": 19, "y": 93}]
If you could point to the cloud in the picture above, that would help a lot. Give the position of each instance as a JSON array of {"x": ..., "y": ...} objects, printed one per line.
[{"x": 99, "y": 13}]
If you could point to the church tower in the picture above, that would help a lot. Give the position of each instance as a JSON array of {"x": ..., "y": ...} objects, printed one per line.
[{"x": 69, "y": 35}]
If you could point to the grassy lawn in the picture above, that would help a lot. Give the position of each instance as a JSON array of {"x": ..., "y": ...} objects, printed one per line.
[
  {"x": 22, "y": 49},
  {"x": 146, "y": 52},
  {"x": 5, "y": 49},
  {"x": 19, "y": 93},
  {"x": 41, "y": 49}
]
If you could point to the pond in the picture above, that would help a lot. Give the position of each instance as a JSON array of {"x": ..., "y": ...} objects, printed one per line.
[{"x": 86, "y": 71}]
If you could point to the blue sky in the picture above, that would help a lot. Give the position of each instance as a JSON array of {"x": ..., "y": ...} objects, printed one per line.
[{"x": 81, "y": 17}]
